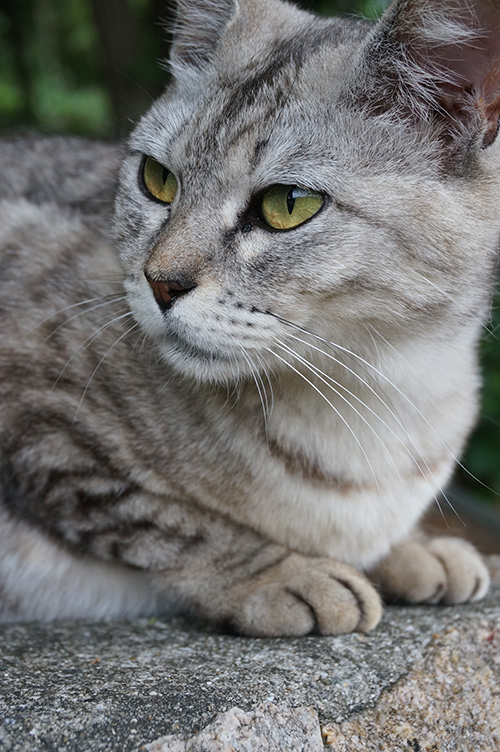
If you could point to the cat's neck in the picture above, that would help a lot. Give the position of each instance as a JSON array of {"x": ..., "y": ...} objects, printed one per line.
[{"x": 414, "y": 398}]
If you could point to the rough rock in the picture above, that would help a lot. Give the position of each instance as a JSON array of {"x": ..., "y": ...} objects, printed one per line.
[
  {"x": 449, "y": 702},
  {"x": 424, "y": 677},
  {"x": 265, "y": 729}
]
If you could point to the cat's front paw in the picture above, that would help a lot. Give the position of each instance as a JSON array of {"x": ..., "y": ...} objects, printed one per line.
[
  {"x": 301, "y": 595},
  {"x": 442, "y": 570}
]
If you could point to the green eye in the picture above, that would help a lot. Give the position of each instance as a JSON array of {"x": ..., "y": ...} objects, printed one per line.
[
  {"x": 160, "y": 182},
  {"x": 286, "y": 206}
]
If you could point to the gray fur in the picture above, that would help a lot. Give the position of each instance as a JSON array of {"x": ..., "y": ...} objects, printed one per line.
[{"x": 286, "y": 422}]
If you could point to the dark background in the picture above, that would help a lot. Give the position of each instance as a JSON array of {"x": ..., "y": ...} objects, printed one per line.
[{"x": 91, "y": 67}]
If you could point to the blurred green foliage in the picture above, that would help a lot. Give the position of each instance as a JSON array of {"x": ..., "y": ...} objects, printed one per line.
[
  {"x": 481, "y": 460},
  {"x": 79, "y": 66},
  {"x": 89, "y": 67}
]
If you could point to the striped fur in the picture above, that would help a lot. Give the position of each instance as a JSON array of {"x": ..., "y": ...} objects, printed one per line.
[{"x": 282, "y": 427}]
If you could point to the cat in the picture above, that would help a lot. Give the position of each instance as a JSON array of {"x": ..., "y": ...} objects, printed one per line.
[{"x": 239, "y": 401}]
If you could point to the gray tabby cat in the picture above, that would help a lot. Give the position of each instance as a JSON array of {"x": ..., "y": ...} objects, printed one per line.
[{"x": 242, "y": 404}]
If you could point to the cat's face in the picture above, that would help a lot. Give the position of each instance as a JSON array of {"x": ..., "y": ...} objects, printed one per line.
[{"x": 258, "y": 190}]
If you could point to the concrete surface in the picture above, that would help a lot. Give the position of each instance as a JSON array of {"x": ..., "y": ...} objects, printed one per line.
[{"x": 423, "y": 681}]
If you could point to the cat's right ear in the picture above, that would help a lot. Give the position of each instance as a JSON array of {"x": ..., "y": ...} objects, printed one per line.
[{"x": 198, "y": 28}]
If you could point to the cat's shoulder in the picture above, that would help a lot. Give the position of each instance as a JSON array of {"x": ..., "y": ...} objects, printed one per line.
[
  {"x": 56, "y": 203},
  {"x": 75, "y": 173}
]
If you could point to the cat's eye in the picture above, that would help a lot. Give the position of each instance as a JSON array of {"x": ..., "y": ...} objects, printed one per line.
[
  {"x": 158, "y": 181},
  {"x": 286, "y": 206}
]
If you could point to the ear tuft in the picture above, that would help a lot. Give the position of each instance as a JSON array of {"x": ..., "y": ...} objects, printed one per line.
[
  {"x": 439, "y": 62},
  {"x": 198, "y": 28}
]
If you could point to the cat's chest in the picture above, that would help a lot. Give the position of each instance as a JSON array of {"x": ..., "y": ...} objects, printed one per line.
[
  {"x": 321, "y": 506},
  {"x": 317, "y": 476},
  {"x": 327, "y": 484}
]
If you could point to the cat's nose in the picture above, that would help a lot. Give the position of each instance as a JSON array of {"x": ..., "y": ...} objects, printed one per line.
[{"x": 167, "y": 291}]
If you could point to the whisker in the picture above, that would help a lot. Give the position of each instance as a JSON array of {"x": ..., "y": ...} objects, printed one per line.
[
  {"x": 263, "y": 386},
  {"x": 391, "y": 412},
  {"x": 260, "y": 388},
  {"x": 233, "y": 394},
  {"x": 443, "y": 443},
  {"x": 412, "y": 457},
  {"x": 356, "y": 375},
  {"x": 87, "y": 342},
  {"x": 264, "y": 368},
  {"x": 68, "y": 308},
  {"x": 398, "y": 419},
  {"x": 325, "y": 378},
  {"x": 234, "y": 386},
  {"x": 125, "y": 334},
  {"x": 323, "y": 396},
  {"x": 387, "y": 380},
  {"x": 83, "y": 313}
]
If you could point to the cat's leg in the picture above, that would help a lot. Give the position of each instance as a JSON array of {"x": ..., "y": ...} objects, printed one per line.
[
  {"x": 438, "y": 570},
  {"x": 42, "y": 580},
  {"x": 178, "y": 556},
  {"x": 230, "y": 575}
]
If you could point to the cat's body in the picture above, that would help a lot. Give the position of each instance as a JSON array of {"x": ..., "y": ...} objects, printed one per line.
[{"x": 193, "y": 450}]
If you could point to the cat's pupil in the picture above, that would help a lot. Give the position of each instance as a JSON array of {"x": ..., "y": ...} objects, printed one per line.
[
  {"x": 164, "y": 175},
  {"x": 290, "y": 199}
]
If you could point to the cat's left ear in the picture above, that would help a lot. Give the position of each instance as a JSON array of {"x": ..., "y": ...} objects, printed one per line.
[
  {"x": 439, "y": 62},
  {"x": 198, "y": 28}
]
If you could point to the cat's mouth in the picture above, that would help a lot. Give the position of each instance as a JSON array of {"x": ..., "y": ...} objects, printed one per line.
[
  {"x": 177, "y": 343},
  {"x": 195, "y": 360},
  {"x": 224, "y": 343}
]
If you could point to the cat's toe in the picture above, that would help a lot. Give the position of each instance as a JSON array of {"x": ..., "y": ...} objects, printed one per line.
[
  {"x": 410, "y": 574},
  {"x": 467, "y": 576},
  {"x": 443, "y": 570},
  {"x": 303, "y": 595}
]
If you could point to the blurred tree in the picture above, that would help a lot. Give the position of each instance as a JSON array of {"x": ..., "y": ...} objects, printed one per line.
[
  {"x": 80, "y": 66},
  {"x": 91, "y": 66}
]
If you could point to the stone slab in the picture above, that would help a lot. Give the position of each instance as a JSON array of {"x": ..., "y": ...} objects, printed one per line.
[{"x": 118, "y": 686}]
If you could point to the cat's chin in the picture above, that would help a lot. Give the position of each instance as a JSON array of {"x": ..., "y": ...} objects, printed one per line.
[{"x": 205, "y": 366}]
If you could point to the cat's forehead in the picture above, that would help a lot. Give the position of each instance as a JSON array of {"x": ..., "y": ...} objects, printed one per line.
[{"x": 262, "y": 112}]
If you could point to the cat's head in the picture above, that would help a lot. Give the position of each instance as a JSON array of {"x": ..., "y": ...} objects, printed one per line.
[{"x": 332, "y": 174}]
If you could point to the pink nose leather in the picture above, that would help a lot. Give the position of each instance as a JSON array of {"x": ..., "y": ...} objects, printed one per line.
[{"x": 166, "y": 292}]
